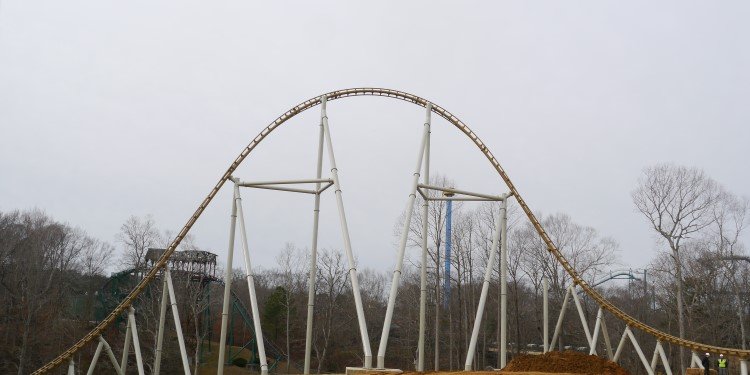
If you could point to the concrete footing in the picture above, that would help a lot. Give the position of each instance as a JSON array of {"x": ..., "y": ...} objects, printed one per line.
[{"x": 372, "y": 371}]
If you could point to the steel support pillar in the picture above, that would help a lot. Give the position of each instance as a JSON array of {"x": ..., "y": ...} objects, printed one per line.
[
  {"x": 95, "y": 359},
  {"x": 595, "y": 336},
  {"x": 136, "y": 341},
  {"x": 638, "y": 350},
  {"x": 402, "y": 242},
  {"x": 313, "y": 256},
  {"x": 251, "y": 289},
  {"x": 483, "y": 295},
  {"x": 423, "y": 263},
  {"x": 227, "y": 283},
  {"x": 503, "y": 283},
  {"x": 695, "y": 360},
  {"x": 177, "y": 323},
  {"x": 111, "y": 356},
  {"x": 663, "y": 356},
  {"x": 71, "y": 367},
  {"x": 581, "y": 315},
  {"x": 545, "y": 315},
  {"x": 607, "y": 343},
  {"x": 347, "y": 240},
  {"x": 126, "y": 348},
  {"x": 743, "y": 367},
  {"x": 621, "y": 345},
  {"x": 558, "y": 326},
  {"x": 162, "y": 318}
]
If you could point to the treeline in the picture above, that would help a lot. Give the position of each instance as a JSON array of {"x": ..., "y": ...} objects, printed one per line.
[{"x": 52, "y": 285}]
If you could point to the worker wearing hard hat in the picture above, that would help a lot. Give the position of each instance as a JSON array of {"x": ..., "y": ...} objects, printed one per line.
[
  {"x": 706, "y": 362},
  {"x": 721, "y": 363}
]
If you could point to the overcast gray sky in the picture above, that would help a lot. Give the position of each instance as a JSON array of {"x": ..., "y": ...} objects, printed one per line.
[{"x": 111, "y": 109}]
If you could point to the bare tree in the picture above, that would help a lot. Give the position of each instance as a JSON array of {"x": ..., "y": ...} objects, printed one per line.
[
  {"x": 730, "y": 218},
  {"x": 293, "y": 264},
  {"x": 332, "y": 272},
  {"x": 137, "y": 235},
  {"x": 677, "y": 201}
]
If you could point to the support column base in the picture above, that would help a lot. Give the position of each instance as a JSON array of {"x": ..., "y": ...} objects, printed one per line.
[{"x": 372, "y": 371}]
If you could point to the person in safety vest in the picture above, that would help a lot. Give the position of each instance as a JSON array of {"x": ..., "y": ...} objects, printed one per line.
[
  {"x": 722, "y": 364},
  {"x": 706, "y": 362}
]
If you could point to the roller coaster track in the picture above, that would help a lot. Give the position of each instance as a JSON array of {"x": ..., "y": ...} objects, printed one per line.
[{"x": 440, "y": 111}]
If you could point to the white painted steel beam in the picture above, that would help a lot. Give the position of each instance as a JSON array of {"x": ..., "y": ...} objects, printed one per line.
[
  {"x": 464, "y": 192},
  {"x": 227, "y": 282},
  {"x": 285, "y": 182},
  {"x": 251, "y": 289},
  {"x": 621, "y": 345},
  {"x": 162, "y": 318},
  {"x": 111, "y": 356},
  {"x": 423, "y": 263},
  {"x": 595, "y": 336},
  {"x": 95, "y": 359},
  {"x": 607, "y": 343},
  {"x": 639, "y": 351},
  {"x": 582, "y": 315},
  {"x": 365, "y": 336},
  {"x": 314, "y": 254},
  {"x": 545, "y": 314},
  {"x": 695, "y": 360},
  {"x": 483, "y": 296},
  {"x": 402, "y": 242},
  {"x": 280, "y": 188},
  {"x": 664, "y": 359},
  {"x": 558, "y": 326},
  {"x": 126, "y": 348},
  {"x": 177, "y": 322},
  {"x": 136, "y": 341},
  {"x": 503, "y": 283}
]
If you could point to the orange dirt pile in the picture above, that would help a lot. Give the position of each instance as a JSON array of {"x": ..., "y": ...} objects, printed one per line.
[{"x": 564, "y": 362}]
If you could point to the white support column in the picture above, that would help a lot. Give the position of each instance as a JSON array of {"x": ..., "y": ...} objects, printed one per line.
[
  {"x": 558, "y": 326},
  {"x": 423, "y": 264},
  {"x": 227, "y": 282},
  {"x": 347, "y": 241},
  {"x": 483, "y": 295},
  {"x": 621, "y": 345},
  {"x": 545, "y": 314},
  {"x": 313, "y": 256},
  {"x": 111, "y": 356},
  {"x": 402, "y": 242},
  {"x": 71, "y": 367},
  {"x": 581, "y": 315},
  {"x": 177, "y": 323},
  {"x": 162, "y": 318},
  {"x": 136, "y": 342},
  {"x": 251, "y": 288},
  {"x": 503, "y": 283},
  {"x": 664, "y": 360},
  {"x": 607, "y": 343},
  {"x": 595, "y": 336},
  {"x": 695, "y": 360},
  {"x": 654, "y": 357},
  {"x": 639, "y": 351},
  {"x": 95, "y": 359},
  {"x": 743, "y": 367},
  {"x": 126, "y": 348}
]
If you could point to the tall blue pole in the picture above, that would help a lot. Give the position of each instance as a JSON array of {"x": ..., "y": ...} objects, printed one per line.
[{"x": 448, "y": 239}]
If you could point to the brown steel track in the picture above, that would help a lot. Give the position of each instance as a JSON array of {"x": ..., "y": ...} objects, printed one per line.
[{"x": 339, "y": 94}]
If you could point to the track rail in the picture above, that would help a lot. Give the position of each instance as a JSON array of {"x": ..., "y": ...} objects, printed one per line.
[{"x": 440, "y": 111}]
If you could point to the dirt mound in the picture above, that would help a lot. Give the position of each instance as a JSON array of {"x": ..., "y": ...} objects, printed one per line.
[{"x": 564, "y": 362}]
